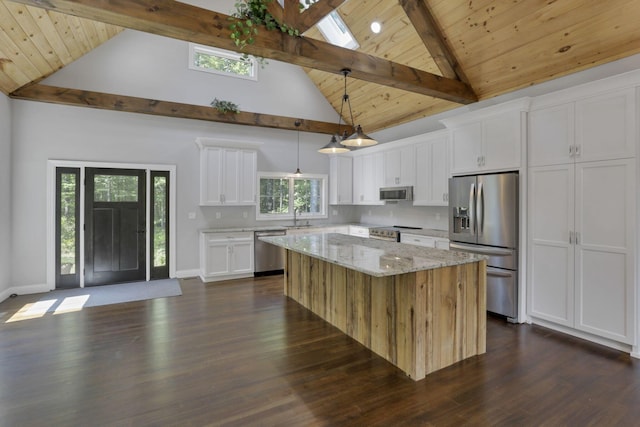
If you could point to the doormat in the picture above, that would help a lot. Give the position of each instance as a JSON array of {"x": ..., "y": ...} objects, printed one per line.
[{"x": 68, "y": 300}]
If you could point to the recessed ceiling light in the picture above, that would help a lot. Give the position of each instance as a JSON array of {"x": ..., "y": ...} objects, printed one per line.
[{"x": 376, "y": 27}]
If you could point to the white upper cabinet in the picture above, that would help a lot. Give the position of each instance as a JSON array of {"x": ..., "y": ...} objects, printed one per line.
[
  {"x": 340, "y": 180},
  {"x": 576, "y": 131},
  {"x": 551, "y": 135},
  {"x": 227, "y": 175},
  {"x": 399, "y": 166},
  {"x": 368, "y": 177},
  {"x": 489, "y": 139},
  {"x": 432, "y": 174},
  {"x": 609, "y": 117},
  {"x": 466, "y": 147}
]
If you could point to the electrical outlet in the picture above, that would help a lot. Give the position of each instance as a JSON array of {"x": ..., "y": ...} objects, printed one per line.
[
  {"x": 218, "y": 215},
  {"x": 334, "y": 212},
  {"x": 191, "y": 215},
  {"x": 244, "y": 214},
  {"x": 438, "y": 216}
]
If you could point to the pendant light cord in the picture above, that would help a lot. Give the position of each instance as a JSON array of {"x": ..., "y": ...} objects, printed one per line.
[{"x": 297, "y": 124}]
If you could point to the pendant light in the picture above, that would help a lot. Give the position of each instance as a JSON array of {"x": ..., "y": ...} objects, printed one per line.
[
  {"x": 358, "y": 138},
  {"x": 297, "y": 172},
  {"x": 334, "y": 147}
]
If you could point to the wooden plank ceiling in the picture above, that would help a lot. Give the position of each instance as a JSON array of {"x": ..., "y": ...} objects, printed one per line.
[{"x": 496, "y": 46}]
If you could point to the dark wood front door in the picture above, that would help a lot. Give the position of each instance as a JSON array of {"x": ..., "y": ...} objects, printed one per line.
[{"x": 115, "y": 243}]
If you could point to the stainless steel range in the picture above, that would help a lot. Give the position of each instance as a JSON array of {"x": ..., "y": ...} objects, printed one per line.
[{"x": 391, "y": 234}]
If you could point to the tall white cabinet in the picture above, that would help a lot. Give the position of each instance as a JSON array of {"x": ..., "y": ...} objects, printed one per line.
[{"x": 582, "y": 215}]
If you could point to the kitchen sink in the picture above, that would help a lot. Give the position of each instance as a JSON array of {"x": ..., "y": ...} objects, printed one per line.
[{"x": 297, "y": 227}]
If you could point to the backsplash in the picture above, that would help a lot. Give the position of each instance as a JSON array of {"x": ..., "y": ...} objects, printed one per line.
[
  {"x": 401, "y": 213},
  {"x": 404, "y": 213}
]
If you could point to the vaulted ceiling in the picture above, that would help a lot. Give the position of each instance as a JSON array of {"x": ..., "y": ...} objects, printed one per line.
[{"x": 431, "y": 56}]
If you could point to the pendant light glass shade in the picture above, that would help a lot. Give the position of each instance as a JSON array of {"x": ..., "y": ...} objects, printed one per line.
[
  {"x": 333, "y": 147},
  {"x": 359, "y": 139}
]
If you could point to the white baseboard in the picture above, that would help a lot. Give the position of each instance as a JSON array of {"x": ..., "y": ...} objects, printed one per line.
[
  {"x": 626, "y": 348},
  {"x": 183, "y": 274},
  {"x": 24, "y": 290}
]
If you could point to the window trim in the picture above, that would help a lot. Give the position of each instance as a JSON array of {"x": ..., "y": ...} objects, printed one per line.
[
  {"x": 194, "y": 48},
  {"x": 289, "y": 216}
]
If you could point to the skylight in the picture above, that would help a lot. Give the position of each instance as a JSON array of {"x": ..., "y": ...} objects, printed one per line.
[
  {"x": 333, "y": 28},
  {"x": 336, "y": 32}
]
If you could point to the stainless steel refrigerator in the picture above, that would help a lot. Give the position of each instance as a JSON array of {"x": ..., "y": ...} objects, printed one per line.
[{"x": 483, "y": 218}]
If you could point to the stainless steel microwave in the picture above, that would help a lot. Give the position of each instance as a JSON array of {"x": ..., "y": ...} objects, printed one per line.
[{"x": 396, "y": 193}]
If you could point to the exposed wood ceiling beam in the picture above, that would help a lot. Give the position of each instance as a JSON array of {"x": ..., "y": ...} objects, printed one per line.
[
  {"x": 185, "y": 22},
  {"x": 316, "y": 12},
  {"x": 274, "y": 8},
  {"x": 429, "y": 31},
  {"x": 130, "y": 104},
  {"x": 291, "y": 13}
]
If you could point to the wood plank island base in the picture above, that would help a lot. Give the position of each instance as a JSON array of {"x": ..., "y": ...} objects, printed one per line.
[{"x": 421, "y": 309}]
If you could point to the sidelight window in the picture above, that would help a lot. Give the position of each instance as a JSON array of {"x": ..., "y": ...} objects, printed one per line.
[{"x": 67, "y": 227}]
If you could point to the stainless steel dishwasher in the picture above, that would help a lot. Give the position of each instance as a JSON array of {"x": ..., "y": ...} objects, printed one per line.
[{"x": 268, "y": 258}]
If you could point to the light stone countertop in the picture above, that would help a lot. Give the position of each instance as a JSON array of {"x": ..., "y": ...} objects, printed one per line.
[
  {"x": 430, "y": 232},
  {"x": 374, "y": 257},
  {"x": 282, "y": 227}
]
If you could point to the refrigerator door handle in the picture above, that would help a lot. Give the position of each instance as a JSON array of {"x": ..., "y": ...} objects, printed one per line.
[
  {"x": 499, "y": 273},
  {"x": 472, "y": 208},
  {"x": 480, "y": 209},
  {"x": 481, "y": 250}
]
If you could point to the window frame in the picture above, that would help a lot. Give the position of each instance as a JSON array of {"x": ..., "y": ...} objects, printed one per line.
[
  {"x": 323, "y": 214},
  {"x": 222, "y": 53}
]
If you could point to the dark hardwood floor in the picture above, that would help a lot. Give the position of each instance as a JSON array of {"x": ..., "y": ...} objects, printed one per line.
[{"x": 240, "y": 353}]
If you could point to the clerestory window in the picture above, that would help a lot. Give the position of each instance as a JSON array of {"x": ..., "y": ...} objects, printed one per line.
[{"x": 223, "y": 62}]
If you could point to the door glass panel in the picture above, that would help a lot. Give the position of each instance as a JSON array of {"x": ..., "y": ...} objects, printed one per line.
[
  {"x": 115, "y": 188},
  {"x": 159, "y": 221},
  {"x": 68, "y": 220}
]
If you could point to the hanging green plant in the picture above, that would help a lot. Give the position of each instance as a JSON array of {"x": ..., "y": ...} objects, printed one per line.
[
  {"x": 250, "y": 15},
  {"x": 225, "y": 106}
]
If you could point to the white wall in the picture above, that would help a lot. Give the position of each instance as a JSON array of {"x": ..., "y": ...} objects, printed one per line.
[
  {"x": 44, "y": 131},
  {"x": 5, "y": 196},
  {"x": 149, "y": 66}
]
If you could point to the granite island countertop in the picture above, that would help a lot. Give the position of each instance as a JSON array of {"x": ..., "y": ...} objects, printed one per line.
[{"x": 370, "y": 256}]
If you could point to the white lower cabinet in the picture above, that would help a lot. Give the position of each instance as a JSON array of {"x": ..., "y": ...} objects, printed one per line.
[
  {"x": 425, "y": 241},
  {"x": 359, "y": 231},
  {"x": 225, "y": 255},
  {"x": 581, "y": 253}
]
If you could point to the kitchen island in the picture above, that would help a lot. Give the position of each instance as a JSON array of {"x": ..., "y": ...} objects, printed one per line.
[{"x": 421, "y": 309}]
